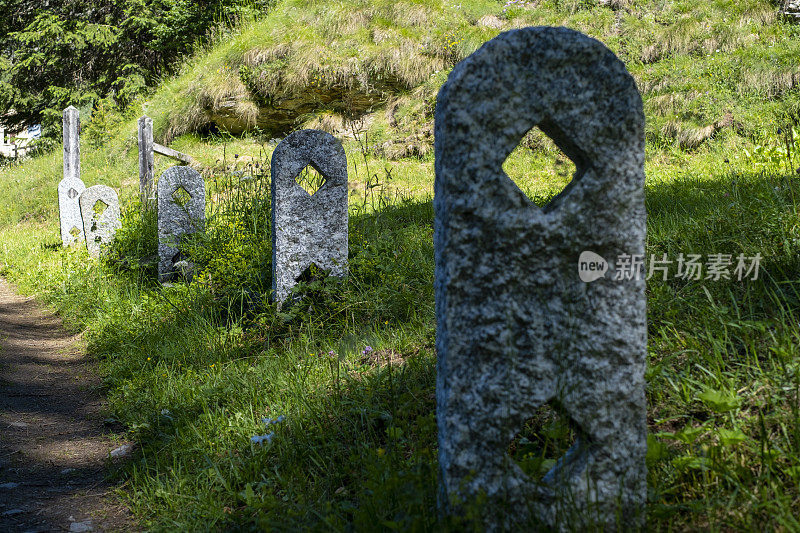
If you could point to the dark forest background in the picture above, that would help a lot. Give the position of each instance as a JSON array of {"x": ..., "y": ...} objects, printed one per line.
[{"x": 57, "y": 53}]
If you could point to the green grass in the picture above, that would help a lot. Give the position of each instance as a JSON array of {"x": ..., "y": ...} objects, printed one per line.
[{"x": 191, "y": 369}]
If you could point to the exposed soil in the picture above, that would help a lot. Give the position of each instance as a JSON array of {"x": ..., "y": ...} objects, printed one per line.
[{"x": 54, "y": 443}]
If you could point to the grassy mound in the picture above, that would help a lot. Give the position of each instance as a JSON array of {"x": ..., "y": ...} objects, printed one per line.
[
  {"x": 703, "y": 67},
  {"x": 305, "y": 57}
]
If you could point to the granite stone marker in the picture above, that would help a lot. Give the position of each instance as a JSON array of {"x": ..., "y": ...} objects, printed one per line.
[
  {"x": 145, "y": 138},
  {"x": 308, "y": 229},
  {"x": 100, "y": 213},
  {"x": 71, "y": 187},
  {"x": 516, "y": 326},
  {"x": 181, "y": 210}
]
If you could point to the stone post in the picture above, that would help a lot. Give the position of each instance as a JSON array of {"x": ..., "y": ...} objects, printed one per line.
[
  {"x": 181, "y": 210},
  {"x": 518, "y": 327},
  {"x": 99, "y": 225},
  {"x": 71, "y": 187},
  {"x": 145, "y": 138},
  {"x": 308, "y": 229}
]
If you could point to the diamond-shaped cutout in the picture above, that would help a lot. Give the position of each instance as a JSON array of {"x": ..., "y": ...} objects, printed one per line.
[
  {"x": 540, "y": 167},
  {"x": 310, "y": 180},
  {"x": 311, "y": 274},
  {"x": 99, "y": 207},
  {"x": 544, "y": 439},
  {"x": 181, "y": 197},
  {"x": 75, "y": 232},
  {"x": 72, "y": 193}
]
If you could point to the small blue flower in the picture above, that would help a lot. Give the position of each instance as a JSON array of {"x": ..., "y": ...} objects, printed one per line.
[
  {"x": 260, "y": 439},
  {"x": 366, "y": 350},
  {"x": 270, "y": 421}
]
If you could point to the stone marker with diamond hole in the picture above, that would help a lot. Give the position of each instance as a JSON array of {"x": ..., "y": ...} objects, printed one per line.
[
  {"x": 100, "y": 213},
  {"x": 181, "y": 210},
  {"x": 516, "y": 327},
  {"x": 308, "y": 229},
  {"x": 71, "y": 187}
]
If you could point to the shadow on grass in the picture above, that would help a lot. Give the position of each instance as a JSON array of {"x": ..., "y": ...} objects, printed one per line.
[
  {"x": 357, "y": 448},
  {"x": 735, "y": 214}
]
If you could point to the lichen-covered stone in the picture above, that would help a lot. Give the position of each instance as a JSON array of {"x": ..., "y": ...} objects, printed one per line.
[
  {"x": 308, "y": 229},
  {"x": 174, "y": 219},
  {"x": 71, "y": 187},
  {"x": 99, "y": 229},
  {"x": 516, "y": 327}
]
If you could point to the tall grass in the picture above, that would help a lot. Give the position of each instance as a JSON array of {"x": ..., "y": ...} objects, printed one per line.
[{"x": 193, "y": 370}]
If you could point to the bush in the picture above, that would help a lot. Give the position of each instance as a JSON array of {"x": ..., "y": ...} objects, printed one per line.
[{"x": 135, "y": 245}]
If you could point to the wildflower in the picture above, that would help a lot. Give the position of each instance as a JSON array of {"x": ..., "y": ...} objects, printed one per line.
[
  {"x": 260, "y": 439},
  {"x": 270, "y": 421},
  {"x": 366, "y": 350},
  {"x": 332, "y": 353},
  {"x": 148, "y": 358}
]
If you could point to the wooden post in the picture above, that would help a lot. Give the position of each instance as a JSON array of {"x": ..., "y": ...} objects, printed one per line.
[
  {"x": 70, "y": 188},
  {"x": 145, "y": 160},
  {"x": 174, "y": 154},
  {"x": 72, "y": 147}
]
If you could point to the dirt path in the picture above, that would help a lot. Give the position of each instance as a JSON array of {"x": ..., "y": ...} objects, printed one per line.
[{"x": 54, "y": 445}]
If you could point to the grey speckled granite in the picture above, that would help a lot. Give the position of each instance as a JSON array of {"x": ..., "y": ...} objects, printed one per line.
[
  {"x": 175, "y": 220},
  {"x": 71, "y": 187},
  {"x": 516, "y": 327},
  {"x": 308, "y": 229},
  {"x": 99, "y": 230}
]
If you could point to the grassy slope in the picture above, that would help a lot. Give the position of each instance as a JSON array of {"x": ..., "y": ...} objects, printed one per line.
[{"x": 192, "y": 369}]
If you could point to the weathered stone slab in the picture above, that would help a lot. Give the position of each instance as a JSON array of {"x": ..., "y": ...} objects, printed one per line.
[
  {"x": 308, "y": 229},
  {"x": 71, "y": 187},
  {"x": 145, "y": 140},
  {"x": 175, "y": 219},
  {"x": 516, "y": 327},
  {"x": 100, "y": 222}
]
